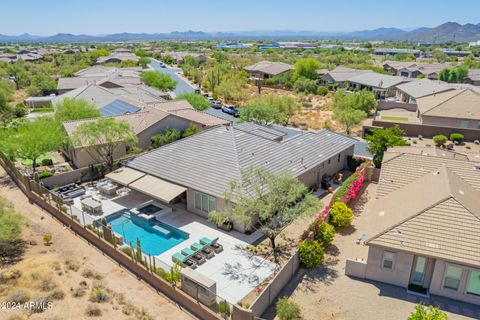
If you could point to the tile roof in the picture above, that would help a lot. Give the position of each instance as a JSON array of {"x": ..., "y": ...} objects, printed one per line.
[
  {"x": 436, "y": 215},
  {"x": 460, "y": 104},
  {"x": 208, "y": 161},
  {"x": 268, "y": 67},
  {"x": 423, "y": 87},
  {"x": 378, "y": 80},
  {"x": 342, "y": 74}
]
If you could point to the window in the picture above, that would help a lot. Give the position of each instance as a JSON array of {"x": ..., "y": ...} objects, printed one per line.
[
  {"x": 388, "y": 260},
  {"x": 338, "y": 158},
  {"x": 473, "y": 284},
  {"x": 478, "y": 125},
  {"x": 452, "y": 277},
  {"x": 464, "y": 123},
  {"x": 329, "y": 160},
  {"x": 205, "y": 202}
]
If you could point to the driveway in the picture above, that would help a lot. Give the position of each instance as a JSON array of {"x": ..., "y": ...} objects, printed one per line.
[{"x": 182, "y": 85}]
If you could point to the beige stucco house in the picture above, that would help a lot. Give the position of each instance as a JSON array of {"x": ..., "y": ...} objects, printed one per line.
[
  {"x": 425, "y": 232},
  {"x": 206, "y": 163}
]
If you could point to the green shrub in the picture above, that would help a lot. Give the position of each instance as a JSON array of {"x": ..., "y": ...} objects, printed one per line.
[
  {"x": 322, "y": 232},
  {"x": 440, "y": 140},
  {"x": 98, "y": 295},
  {"x": 127, "y": 251},
  {"x": 168, "y": 136},
  {"x": 20, "y": 110},
  {"x": 427, "y": 313},
  {"x": 305, "y": 85},
  {"x": 224, "y": 308},
  {"x": 340, "y": 215},
  {"x": 47, "y": 239},
  {"x": 322, "y": 91},
  {"x": 44, "y": 174},
  {"x": 197, "y": 101},
  {"x": 93, "y": 311},
  {"x": 287, "y": 309},
  {"x": 47, "y": 162},
  {"x": 310, "y": 253},
  {"x": 457, "y": 137},
  {"x": 43, "y": 109}
]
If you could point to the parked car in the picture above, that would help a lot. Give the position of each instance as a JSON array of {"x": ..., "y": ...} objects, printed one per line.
[
  {"x": 216, "y": 105},
  {"x": 229, "y": 109}
]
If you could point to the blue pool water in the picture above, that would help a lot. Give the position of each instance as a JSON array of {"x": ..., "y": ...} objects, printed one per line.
[{"x": 155, "y": 237}]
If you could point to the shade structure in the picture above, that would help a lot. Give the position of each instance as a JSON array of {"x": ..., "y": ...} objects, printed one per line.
[
  {"x": 125, "y": 176},
  {"x": 157, "y": 188}
]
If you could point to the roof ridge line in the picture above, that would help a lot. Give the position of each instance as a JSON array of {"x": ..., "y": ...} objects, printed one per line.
[{"x": 444, "y": 101}]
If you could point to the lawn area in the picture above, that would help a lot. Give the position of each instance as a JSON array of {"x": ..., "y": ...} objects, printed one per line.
[
  {"x": 391, "y": 118},
  {"x": 28, "y": 162}
]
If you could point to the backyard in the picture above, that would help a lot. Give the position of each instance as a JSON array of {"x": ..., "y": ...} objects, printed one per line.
[{"x": 74, "y": 276}]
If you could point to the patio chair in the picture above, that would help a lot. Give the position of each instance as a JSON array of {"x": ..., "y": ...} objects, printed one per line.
[
  {"x": 195, "y": 255},
  {"x": 184, "y": 261},
  {"x": 217, "y": 247},
  {"x": 204, "y": 249}
]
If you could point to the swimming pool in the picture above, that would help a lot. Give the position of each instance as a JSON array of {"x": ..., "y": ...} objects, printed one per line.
[{"x": 155, "y": 237}]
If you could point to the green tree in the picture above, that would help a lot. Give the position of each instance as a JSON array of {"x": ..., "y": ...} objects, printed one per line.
[
  {"x": 33, "y": 139},
  {"x": 100, "y": 138},
  {"x": 381, "y": 139},
  {"x": 196, "y": 100},
  {"x": 75, "y": 109},
  {"x": 307, "y": 68},
  {"x": 167, "y": 136},
  {"x": 427, "y": 313},
  {"x": 11, "y": 225},
  {"x": 440, "y": 140},
  {"x": 232, "y": 89},
  {"x": 19, "y": 74},
  {"x": 143, "y": 62},
  {"x": 349, "y": 117},
  {"x": 305, "y": 85},
  {"x": 249, "y": 203},
  {"x": 269, "y": 109},
  {"x": 158, "y": 80}
]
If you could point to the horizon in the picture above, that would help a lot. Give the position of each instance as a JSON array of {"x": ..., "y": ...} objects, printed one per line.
[{"x": 210, "y": 16}]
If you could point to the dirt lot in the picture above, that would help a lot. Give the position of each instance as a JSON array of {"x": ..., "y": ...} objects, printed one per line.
[
  {"x": 327, "y": 293},
  {"x": 70, "y": 273}
]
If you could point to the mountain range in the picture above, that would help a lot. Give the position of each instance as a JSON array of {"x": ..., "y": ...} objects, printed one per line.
[{"x": 450, "y": 31}]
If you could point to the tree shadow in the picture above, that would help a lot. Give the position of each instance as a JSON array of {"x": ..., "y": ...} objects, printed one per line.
[
  {"x": 11, "y": 253},
  {"x": 347, "y": 231}
]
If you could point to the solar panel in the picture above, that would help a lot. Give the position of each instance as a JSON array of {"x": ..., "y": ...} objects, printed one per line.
[{"x": 118, "y": 108}]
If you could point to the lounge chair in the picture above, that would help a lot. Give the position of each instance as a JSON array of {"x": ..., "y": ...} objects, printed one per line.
[
  {"x": 204, "y": 249},
  {"x": 184, "y": 261},
  {"x": 217, "y": 247},
  {"x": 195, "y": 255}
]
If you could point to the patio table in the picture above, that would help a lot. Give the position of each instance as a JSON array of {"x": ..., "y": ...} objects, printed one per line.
[{"x": 91, "y": 205}]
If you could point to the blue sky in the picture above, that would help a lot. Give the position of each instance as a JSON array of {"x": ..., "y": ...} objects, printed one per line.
[{"x": 46, "y": 17}]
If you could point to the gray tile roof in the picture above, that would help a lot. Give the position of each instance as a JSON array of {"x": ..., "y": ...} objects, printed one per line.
[
  {"x": 424, "y": 87},
  {"x": 208, "y": 161}
]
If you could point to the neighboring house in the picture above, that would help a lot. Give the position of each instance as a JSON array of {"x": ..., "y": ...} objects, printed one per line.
[
  {"x": 473, "y": 77},
  {"x": 267, "y": 69},
  {"x": 178, "y": 56},
  {"x": 340, "y": 76},
  {"x": 452, "y": 109},
  {"x": 145, "y": 122},
  {"x": 108, "y": 77},
  {"x": 381, "y": 85},
  {"x": 205, "y": 164},
  {"x": 394, "y": 51},
  {"x": 409, "y": 92},
  {"x": 101, "y": 96},
  {"x": 118, "y": 57},
  {"x": 425, "y": 228},
  {"x": 414, "y": 69}
]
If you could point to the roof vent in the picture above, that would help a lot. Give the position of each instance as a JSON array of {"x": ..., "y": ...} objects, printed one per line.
[
  {"x": 381, "y": 213},
  {"x": 436, "y": 172},
  {"x": 461, "y": 192},
  {"x": 477, "y": 166}
]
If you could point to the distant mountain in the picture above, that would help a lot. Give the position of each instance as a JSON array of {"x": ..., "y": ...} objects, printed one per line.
[{"x": 450, "y": 31}]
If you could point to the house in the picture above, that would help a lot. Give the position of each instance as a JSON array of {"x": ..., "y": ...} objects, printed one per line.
[
  {"x": 473, "y": 77},
  {"x": 145, "y": 122},
  {"x": 267, "y": 69},
  {"x": 108, "y": 77},
  {"x": 425, "y": 228},
  {"x": 101, "y": 96},
  {"x": 393, "y": 51},
  {"x": 409, "y": 92},
  {"x": 381, "y": 85},
  {"x": 414, "y": 69},
  {"x": 179, "y": 56},
  {"x": 431, "y": 109},
  {"x": 456, "y": 53},
  {"x": 118, "y": 56},
  {"x": 205, "y": 164},
  {"x": 340, "y": 76}
]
